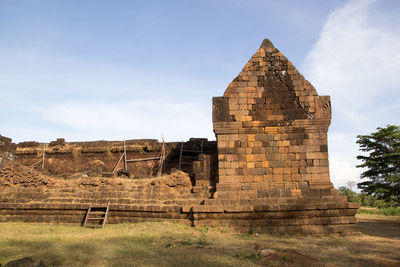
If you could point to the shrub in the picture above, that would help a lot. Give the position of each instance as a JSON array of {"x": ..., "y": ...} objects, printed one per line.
[
  {"x": 388, "y": 211},
  {"x": 391, "y": 211},
  {"x": 350, "y": 194}
]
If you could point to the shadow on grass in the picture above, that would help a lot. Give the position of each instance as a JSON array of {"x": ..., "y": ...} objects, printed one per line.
[
  {"x": 355, "y": 252},
  {"x": 380, "y": 228},
  {"x": 121, "y": 251}
]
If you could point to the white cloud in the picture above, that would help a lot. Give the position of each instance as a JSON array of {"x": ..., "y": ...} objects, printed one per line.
[
  {"x": 51, "y": 75},
  {"x": 343, "y": 172},
  {"x": 357, "y": 61},
  {"x": 343, "y": 153},
  {"x": 128, "y": 119},
  {"x": 355, "y": 58},
  {"x": 66, "y": 97}
]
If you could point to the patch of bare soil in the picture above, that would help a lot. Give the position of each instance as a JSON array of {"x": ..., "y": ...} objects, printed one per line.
[
  {"x": 289, "y": 258},
  {"x": 374, "y": 226}
]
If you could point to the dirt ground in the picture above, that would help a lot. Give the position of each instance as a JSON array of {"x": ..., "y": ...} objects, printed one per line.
[{"x": 379, "y": 226}]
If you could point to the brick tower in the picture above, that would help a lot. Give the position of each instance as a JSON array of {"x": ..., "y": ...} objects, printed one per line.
[{"x": 273, "y": 169}]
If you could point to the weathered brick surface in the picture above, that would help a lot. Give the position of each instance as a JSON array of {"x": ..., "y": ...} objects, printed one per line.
[
  {"x": 268, "y": 170},
  {"x": 271, "y": 128},
  {"x": 33, "y": 197},
  {"x": 273, "y": 125},
  {"x": 98, "y": 157}
]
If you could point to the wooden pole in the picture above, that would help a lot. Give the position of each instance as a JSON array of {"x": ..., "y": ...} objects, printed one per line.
[
  {"x": 40, "y": 161},
  {"x": 43, "y": 157},
  {"x": 143, "y": 159},
  {"x": 116, "y": 166},
  {"x": 125, "y": 162},
  {"x": 180, "y": 156},
  {"x": 1, "y": 163},
  {"x": 161, "y": 157}
]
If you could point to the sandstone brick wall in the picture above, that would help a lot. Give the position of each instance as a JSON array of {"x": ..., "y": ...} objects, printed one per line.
[
  {"x": 28, "y": 195},
  {"x": 273, "y": 169},
  {"x": 271, "y": 129}
]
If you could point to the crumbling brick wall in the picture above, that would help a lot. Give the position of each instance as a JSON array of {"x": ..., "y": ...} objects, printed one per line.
[
  {"x": 98, "y": 157},
  {"x": 7, "y": 149}
]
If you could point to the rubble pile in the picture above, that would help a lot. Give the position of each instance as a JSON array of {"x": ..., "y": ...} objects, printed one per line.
[{"x": 19, "y": 175}]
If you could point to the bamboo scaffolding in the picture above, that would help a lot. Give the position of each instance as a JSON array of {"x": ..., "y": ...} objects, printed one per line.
[
  {"x": 42, "y": 160},
  {"x": 162, "y": 156},
  {"x": 125, "y": 162},
  {"x": 44, "y": 153},
  {"x": 161, "y": 159},
  {"x": 143, "y": 159},
  {"x": 116, "y": 165}
]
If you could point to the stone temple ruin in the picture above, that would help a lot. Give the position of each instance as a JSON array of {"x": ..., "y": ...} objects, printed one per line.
[{"x": 268, "y": 171}]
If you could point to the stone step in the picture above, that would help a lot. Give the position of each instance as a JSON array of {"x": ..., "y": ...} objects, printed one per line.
[
  {"x": 141, "y": 195},
  {"x": 120, "y": 192},
  {"x": 217, "y": 208},
  {"x": 104, "y": 191},
  {"x": 185, "y": 201},
  {"x": 156, "y": 207},
  {"x": 333, "y": 208},
  {"x": 261, "y": 185},
  {"x": 275, "y": 200},
  {"x": 97, "y": 201},
  {"x": 95, "y": 218},
  {"x": 235, "y": 191}
]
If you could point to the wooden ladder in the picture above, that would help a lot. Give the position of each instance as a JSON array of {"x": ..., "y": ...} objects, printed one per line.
[
  {"x": 187, "y": 156},
  {"x": 96, "y": 216}
]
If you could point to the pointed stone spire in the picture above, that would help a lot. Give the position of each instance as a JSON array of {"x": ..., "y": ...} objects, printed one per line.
[
  {"x": 267, "y": 45},
  {"x": 273, "y": 90}
]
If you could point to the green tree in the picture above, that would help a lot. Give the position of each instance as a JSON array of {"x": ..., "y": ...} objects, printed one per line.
[
  {"x": 382, "y": 163},
  {"x": 350, "y": 194}
]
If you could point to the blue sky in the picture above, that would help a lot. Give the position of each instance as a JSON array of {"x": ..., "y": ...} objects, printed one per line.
[{"x": 89, "y": 70}]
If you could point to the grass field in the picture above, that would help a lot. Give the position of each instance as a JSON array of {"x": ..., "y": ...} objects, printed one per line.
[
  {"x": 389, "y": 211},
  {"x": 170, "y": 244}
]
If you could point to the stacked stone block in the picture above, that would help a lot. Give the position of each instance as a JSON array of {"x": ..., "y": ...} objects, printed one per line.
[
  {"x": 273, "y": 169},
  {"x": 274, "y": 129},
  {"x": 29, "y": 196}
]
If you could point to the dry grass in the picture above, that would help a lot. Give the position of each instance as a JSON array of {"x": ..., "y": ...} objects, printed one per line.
[{"x": 169, "y": 244}]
